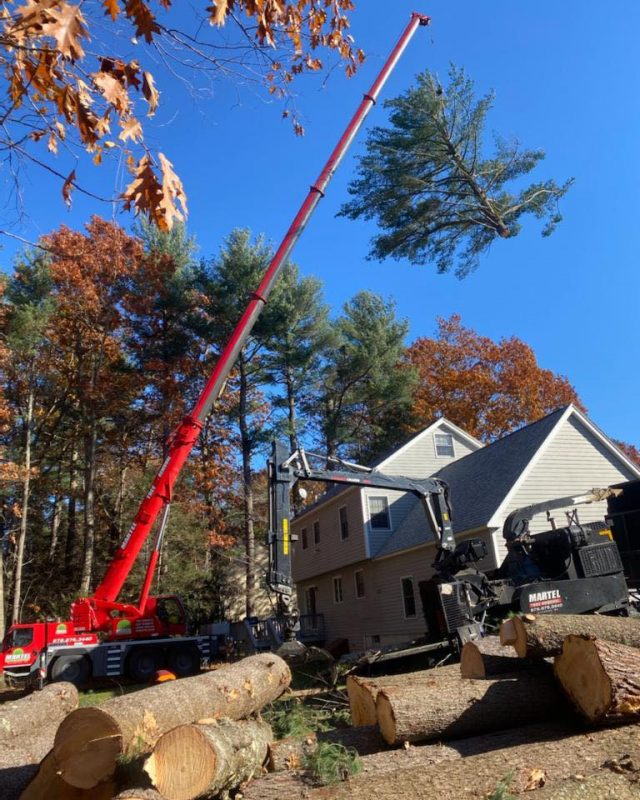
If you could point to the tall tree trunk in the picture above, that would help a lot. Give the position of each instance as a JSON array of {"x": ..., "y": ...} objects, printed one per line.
[
  {"x": 72, "y": 521},
  {"x": 291, "y": 411},
  {"x": 89, "y": 504},
  {"x": 26, "y": 490},
  {"x": 56, "y": 517},
  {"x": 246, "y": 445}
]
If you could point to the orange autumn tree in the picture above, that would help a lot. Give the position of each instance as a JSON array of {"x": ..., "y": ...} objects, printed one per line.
[
  {"x": 487, "y": 388},
  {"x": 70, "y": 84}
]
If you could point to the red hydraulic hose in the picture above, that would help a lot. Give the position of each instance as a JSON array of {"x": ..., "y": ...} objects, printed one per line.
[{"x": 189, "y": 429}]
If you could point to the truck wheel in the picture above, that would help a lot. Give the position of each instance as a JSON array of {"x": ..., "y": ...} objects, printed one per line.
[
  {"x": 75, "y": 669},
  {"x": 184, "y": 661},
  {"x": 142, "y": 664}
]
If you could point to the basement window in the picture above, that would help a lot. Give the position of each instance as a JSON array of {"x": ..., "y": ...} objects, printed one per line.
[
  {"x": 444, "y": 445},
  {"x": 408, "y": 597}
]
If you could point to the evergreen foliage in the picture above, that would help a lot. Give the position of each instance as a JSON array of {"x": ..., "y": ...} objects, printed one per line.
[{"x": 436, "y": 193}]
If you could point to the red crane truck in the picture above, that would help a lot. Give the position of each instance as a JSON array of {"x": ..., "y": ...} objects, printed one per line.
[{"x": 105, "y": 637}]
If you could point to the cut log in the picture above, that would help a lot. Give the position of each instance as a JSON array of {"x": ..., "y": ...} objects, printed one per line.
[
  {"x": 90, "y": 740},
  {"x": 362, "y": 692},
  {"x": 543, "y": 636},
  {"x": 47, "y": 785},
  {"x": 601, "y": 678},
  {"x": 364, "y": 740},
  {"x": 469, "y": 769},
  {"x": 487, "y": 658},
  {"x": 204, "y": 760},
  {"x": 139, "y": 794},
  {"x": 442, "y": 709},
  {"x": 291, "y": 753},
  {"x": 28, "y": 714}
]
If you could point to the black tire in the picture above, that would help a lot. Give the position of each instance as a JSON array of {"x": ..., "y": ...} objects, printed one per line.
[
  {"x": 142, "y": 664},
  {"x": 184, "y": 660},
  {"x": 75, "y": 669}
]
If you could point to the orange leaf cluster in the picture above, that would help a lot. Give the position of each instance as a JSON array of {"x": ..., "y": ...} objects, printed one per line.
[
  {"x": 487, "y": 388},
  {"x": 43, "y": 54}
]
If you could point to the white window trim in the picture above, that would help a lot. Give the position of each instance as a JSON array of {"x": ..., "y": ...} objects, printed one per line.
[
  {"x": 404, "y": 607},
  {"x": 343, "y": 538},
  {"x": 386, "y": 497},
  {"x": 336, "y": 578},
  {"x": 435, "y": 443},
  {"x": 355, "y": 585}
]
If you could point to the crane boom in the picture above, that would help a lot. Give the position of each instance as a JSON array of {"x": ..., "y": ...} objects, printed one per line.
[{"x": 188, "y": 431}]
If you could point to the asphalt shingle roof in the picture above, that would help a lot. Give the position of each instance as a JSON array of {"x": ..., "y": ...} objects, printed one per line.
[{"x": 479, "y": 483}]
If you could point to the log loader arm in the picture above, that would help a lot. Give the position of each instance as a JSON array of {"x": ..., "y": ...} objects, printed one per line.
[{"x": 285, "y": 469}]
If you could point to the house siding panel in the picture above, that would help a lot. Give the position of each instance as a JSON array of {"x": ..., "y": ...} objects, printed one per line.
[
  {"x": 381, "y": 612},
  {"x": 574, "y": 462},
  {"x": 419, "y": 460},
  {"x": 333, "y": 552}
]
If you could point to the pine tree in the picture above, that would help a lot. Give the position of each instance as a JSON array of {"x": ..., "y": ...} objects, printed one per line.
[
  {"x": 364, "y": 378},
  {"x": 429, "y": 182}
]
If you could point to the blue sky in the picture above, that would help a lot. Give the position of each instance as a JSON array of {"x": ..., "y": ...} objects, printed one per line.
[{"x": 566, "y": 77}]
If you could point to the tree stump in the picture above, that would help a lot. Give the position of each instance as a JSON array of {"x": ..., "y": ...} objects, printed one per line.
[
  {"x": 601, "y": 678},
  {"x": 29, "y": 714},
  {"x": 90, "y": 740},
  {"x": 542, "y": 636},
  {"x": 449, "y": 710},
  {"x": 203, "y": 760}
]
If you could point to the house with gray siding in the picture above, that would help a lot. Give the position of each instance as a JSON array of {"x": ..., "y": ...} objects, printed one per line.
[{"x": 362, "y": 551}]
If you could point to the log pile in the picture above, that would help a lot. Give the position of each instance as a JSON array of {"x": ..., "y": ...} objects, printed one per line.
[
  {"x": 200, "y": 737},
  {"x": 548, "y": 709}
]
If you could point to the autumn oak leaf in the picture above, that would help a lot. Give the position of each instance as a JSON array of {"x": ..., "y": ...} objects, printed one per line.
[
  {"x": 67, "y": 26},
  {"x": 111, "y": 8},
  {"x": 131, "y": 129},
  {"x": 67, "y": 187},
  {"x": 150, "y": 93},
  {"x": 113, "y": 91},
  {"x": 148, "y": 195}
]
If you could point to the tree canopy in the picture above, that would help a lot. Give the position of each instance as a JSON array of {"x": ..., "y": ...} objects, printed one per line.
[
  {"x": 435, "y": 192},
  {"x": 488, "y": 388}
]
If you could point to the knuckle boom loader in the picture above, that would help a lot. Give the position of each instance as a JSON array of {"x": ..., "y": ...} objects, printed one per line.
[{"x": 571, "y": 569}]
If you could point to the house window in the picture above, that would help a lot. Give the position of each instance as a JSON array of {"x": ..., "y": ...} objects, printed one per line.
[
  {"x": 303, "y": 537},
  {"x": 408, "y": 597},
  {"x": 344, "y": 523},
  {"x": 359, "y": 579},
  {"x": 444, "y": 444},
  {"x": 316, "y": 532},
  {"x": 337, "y": 589},
  {"x": 311, "y": 600},
  {"x": 379, "y": 513}
]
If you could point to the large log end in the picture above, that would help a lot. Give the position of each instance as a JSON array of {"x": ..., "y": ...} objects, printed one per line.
[
  {"x": 182, "y": 765},
  {"x": 86, "y": 748}
]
